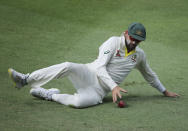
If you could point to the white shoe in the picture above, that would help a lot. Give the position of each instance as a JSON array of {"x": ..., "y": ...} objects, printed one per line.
[
  {"x": 44, "y": 93},
  {"x": 18, "y": 79}
]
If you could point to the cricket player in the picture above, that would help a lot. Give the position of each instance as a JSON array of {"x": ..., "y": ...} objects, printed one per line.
[{"x": 93, "y": 81}]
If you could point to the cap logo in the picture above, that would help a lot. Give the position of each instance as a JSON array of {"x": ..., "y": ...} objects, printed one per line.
[{"x": 138, "y": 32}]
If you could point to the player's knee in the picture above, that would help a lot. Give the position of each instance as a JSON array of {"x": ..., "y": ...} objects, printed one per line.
[
  {"x": 69, "y": 100},
  {"x": 77, "y": 104},
  {"x": 81, "y": 103}
]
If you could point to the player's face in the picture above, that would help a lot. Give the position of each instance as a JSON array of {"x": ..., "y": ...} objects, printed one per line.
[{"x": 133, "y": 42}]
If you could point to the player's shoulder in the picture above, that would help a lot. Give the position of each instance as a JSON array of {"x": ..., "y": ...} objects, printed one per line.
[
  {"x": 140, "y": 51},
  {"x": 114, "y": 41},
  {"x": 115, "y": 38},
  {"x": 111, "y": 42}
]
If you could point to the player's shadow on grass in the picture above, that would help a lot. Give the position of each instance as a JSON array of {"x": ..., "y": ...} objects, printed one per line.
[
  {"x": 129, "y": 99},
  {"x": 141, "y": 98}
]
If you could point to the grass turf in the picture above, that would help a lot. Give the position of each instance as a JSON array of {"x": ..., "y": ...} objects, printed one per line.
[{"x": 39, "y": 33}]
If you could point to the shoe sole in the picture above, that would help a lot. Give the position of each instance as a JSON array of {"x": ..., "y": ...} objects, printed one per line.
[
  {"x": 11, "y": 77},
  {"x": 35, "y": 93}
]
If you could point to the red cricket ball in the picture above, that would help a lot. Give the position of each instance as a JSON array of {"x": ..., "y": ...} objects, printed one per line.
[{"x": 121, "y": 104}]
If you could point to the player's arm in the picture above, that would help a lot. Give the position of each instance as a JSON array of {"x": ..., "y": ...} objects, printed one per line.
[
  {"x": 152, "y": 78},
  {"x": 106, "y": 52}
]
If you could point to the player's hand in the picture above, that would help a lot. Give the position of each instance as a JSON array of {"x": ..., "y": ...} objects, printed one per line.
[
  {"x": 170, "y": 94},
  {"x": 116, "y": 93}
]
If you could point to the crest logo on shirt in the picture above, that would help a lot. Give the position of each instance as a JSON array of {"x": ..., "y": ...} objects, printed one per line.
[
  {"x": 118, "y": 54},
  {"x": 106, "y": 52},
  {"x": 133, "y": 58}
]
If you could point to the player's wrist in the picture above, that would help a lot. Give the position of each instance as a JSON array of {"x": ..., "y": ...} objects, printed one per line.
[{"x": 165, "y": 93}]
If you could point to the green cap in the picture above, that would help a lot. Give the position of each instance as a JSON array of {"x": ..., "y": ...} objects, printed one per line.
[{"x": 137, "y": 31}]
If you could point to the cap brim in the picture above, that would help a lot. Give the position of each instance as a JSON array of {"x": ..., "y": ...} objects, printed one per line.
[{"x": 137, "y": 37}]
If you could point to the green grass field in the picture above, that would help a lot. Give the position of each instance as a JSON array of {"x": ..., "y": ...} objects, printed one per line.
[{"x": 39, "y": 33}]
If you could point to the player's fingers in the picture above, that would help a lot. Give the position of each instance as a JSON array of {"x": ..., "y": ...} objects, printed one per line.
[
  {"x": 119, "y": 95},
  {"x": 176, "y": 95},
  {"x": 123, "y": 90},
  {"x": 114, "y": 98}
]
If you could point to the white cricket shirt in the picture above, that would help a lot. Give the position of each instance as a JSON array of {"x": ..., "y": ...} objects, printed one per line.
[{"x": 114, "y": 64}]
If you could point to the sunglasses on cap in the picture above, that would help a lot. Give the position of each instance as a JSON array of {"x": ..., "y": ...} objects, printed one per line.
[{"x": 133, "y": 39}]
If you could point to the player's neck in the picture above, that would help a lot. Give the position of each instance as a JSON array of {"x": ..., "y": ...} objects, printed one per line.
[
  {"x": 129, "y": 49},
  {"x": 127, "y": 44}
]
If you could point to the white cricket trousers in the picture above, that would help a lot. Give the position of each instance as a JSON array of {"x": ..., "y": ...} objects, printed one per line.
[{"x": 89, "y": 91}]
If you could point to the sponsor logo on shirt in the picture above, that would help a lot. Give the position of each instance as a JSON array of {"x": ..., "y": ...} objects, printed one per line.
[{"x": 106, "y": 52}]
